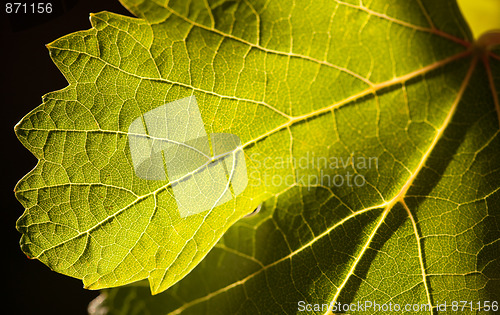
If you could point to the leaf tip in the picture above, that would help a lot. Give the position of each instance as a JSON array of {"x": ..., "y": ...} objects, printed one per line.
[
  {"x": 154, "y": 286},
  {"x": 17, "y": 126},
  {"x": 92, "y": 18},
  {"x": 49, "y": 46},
  {"x": 91, "y": 284}
]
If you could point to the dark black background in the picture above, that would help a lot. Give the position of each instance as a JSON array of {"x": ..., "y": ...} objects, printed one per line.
[{"x": 27, "y": 73}]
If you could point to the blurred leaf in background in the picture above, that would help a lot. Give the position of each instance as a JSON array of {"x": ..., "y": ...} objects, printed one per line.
[{"x": 482, "y": 15}]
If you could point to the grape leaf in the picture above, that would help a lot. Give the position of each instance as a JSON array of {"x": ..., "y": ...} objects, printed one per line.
[{"x": 370, "y": 130}]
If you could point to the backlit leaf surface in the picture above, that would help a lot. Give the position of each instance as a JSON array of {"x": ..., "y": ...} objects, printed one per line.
[{"x": 299, "y": 82}]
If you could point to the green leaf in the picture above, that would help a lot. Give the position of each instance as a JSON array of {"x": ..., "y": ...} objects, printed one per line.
[{"x": 392, "y": 94}]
